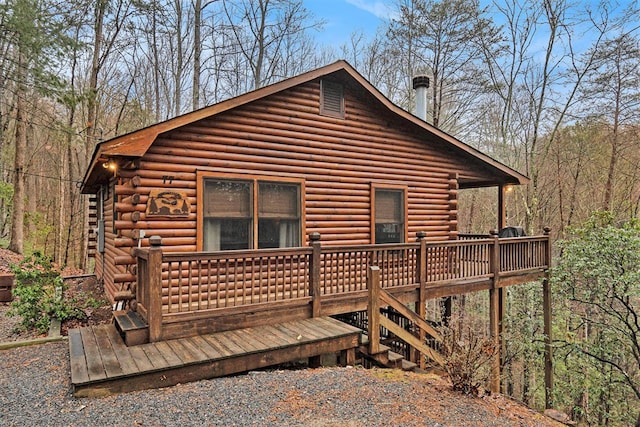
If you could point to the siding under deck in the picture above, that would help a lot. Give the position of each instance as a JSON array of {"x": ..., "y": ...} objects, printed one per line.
[{"x": 102, "y": 364}]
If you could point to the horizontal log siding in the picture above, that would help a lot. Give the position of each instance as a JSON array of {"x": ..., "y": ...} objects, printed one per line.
[{"x": 283, "y": 135}]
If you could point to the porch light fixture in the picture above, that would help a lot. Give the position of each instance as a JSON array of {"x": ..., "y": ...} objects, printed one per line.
[
  {"x": 110, "y": 165},
  {"x": 508, "y": 189}
]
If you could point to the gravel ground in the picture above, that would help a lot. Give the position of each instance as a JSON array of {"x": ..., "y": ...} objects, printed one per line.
[
  {"x": 35, "y": 391},
  {"x": 8, "y": 326}
]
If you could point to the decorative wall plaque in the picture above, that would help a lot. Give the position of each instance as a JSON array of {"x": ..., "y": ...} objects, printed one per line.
[{"x": 168, "y": 203}]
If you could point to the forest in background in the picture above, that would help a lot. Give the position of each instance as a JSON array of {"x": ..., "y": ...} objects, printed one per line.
[{"x": 549, "y": 88}]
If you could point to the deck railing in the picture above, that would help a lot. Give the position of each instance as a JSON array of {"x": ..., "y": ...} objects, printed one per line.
[
  {"x": 203, "y": 281},
  {"x": 344, "y": 268},
  {"x": 174, "y": 284}
]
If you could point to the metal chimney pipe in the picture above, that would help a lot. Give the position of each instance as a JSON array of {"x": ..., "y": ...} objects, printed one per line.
[{"x": 420, "y": 85}]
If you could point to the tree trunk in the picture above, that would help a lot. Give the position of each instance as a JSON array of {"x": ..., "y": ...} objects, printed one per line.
[
  {"x": 197, "y": 53},
  {"x": 17, "y": 214},
  {"x": 608, "y": 187},
  {"x": 177, "y": 82}
]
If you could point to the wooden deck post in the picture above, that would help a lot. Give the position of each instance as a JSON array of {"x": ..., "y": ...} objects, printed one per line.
[
  {"x": 314, "y": 286},
  {"x": 421, "y": 237},
  {"x": 548, "y": 319},
  {"x": 502, "y": 207},
  {"x": 314, "y": 275},
  {"x": 373, "y": 309},
  {"x": 495, "y": 313},
  {"x": 154, "y": 289}
]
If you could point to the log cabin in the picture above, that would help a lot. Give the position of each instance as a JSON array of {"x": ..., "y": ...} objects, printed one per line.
[
  {"x": 324, "y": 152},
  {"x": 272, "y": 205}
]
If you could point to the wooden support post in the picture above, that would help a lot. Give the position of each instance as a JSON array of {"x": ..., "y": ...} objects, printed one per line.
[
  {"x": 314, "y": 275},
  {"x": 154, "y": 289},
  {"x": 502, "y": 304},
  {"x": 347, "y": 357},
  {"x": 373, "y": 309},
  {"x": 421, "y": 237},
  {"x": 447, "y": 310},
  {"x": 495, "y": 312},
  {"x": 502, "y": 207},
  {"x": 315, "y": 362},
  {"x": 548, "y": 319}
]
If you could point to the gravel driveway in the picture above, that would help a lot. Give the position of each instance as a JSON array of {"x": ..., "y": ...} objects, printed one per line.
[{"x": 35, "y": 391}]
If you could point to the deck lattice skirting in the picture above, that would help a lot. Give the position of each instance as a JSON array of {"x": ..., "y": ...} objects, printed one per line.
[{"x": 102, "y": 364}]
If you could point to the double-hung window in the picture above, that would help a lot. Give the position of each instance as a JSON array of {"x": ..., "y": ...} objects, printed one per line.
[
  {"x": 228, "y": 215},
  {"x": 278, "y": 215},
  {"x": 389, "y": 215},
  {"x": 249, "y": 213}
]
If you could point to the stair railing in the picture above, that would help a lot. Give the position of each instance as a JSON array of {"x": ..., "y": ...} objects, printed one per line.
[{"x": 378, "y": 297}]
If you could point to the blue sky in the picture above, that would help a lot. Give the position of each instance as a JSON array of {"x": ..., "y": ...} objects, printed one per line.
[{"x": 343, "y": 17}]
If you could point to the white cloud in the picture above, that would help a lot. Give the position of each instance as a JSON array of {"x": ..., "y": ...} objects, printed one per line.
[{"x": 380, "y": 9}]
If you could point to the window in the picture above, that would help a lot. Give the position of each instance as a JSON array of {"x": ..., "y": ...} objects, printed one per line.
[
  {"x": 278, "y": 215},
  {"x": 227, "y": 216},
  {"x": 246, "y": 214},
  {"x": 389, "y": 214},
  {"x": 331, "y": 99}
]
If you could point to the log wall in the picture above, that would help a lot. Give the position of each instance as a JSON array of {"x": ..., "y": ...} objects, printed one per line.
[{"x": 283, "y": 135}]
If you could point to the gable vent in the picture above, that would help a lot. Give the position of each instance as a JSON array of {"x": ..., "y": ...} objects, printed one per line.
[{"x": 331, "y": 99}]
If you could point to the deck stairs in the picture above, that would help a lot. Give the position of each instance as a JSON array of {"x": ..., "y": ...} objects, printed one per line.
[
  {"x": 385, "y": 357},
  {"x": 131, "y": 327}
]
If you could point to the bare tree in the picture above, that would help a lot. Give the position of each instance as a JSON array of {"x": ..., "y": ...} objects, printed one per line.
[
  {"x": 613, "y": 96},
  {"x": 437, "y": 36},
  {"x": 536, "y": 90},
  {"x": 261, "y": 29},
  {"x": 34, "y": 41}
]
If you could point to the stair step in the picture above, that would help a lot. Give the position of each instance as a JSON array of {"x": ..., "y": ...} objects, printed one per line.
[
  {"x": 407, "y": 365},
  {"x": 132, "y": 328},
  {"x": 395, "y": 357},
  {"x": 399, "y": 362}
]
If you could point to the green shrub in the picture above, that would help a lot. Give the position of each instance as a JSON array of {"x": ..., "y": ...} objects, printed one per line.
[{"x": 38, "y": 294}]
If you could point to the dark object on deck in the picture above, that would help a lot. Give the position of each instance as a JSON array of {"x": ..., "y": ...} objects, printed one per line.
[{"x": 512, "y": 232}]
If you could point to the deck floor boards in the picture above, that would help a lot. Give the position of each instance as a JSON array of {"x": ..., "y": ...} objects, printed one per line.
[
  {"x": 216, "y": 344},
  {"x": 140, "y": 357},
  {"x": 102, "y": 364},
  {"x": 157, "y": 358},
  {"x": 280, "y": 337},
  {"x": 77, "y": 357},
  {"x": 127, "y": 364},
  {"x": 93, "y": 356},
  {"x": 167, "y": 353},
  {"x": 110, "y": 360}
]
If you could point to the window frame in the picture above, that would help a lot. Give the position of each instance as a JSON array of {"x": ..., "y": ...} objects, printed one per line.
[
  {"x": 390, "y": 187},
  {"x": 254, "y": 181}
]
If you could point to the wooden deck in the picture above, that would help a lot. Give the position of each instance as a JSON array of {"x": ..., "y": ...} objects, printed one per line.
[{"x": 102, "y": 364}]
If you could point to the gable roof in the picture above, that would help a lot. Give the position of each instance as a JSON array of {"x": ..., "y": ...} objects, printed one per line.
[{"x": 135, "y": 144}]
